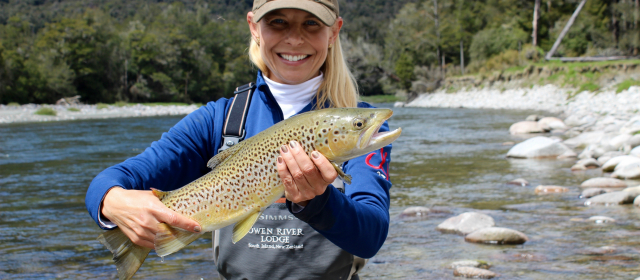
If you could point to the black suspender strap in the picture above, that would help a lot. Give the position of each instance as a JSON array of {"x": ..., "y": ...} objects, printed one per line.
[{"x": 233, "y": 130}]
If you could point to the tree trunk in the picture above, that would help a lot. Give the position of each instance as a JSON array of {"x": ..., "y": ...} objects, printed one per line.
[
  {"x": 461, "y": 57},
  {"x": 536, "y": 15},
  {"x": 437, "y": 22},
  {"x": 614, "y": 25},
  {"x": 565, "y": 30}
]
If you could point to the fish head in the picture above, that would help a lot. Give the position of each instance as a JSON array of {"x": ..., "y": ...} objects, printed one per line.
[{"x": 344, "y": 134}]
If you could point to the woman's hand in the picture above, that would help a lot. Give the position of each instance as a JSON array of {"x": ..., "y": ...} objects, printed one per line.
[
  {"x": 303, "y": 177},
  {"x": 138, "y": 213}
]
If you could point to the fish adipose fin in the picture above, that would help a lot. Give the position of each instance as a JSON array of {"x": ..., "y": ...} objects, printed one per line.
[
  {"x": 171, "y": 239},
  {"x": 127, "y": 255},
  {"x": 219, "y": 158},
  {"x": 345, "y": 177},
  {"x": 241, "y": 228}
]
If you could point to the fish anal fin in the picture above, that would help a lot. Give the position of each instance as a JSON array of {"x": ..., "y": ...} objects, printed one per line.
[
  {"x": 220, "y": 157},
  {"x": 241, "y": 228},
  {"x": 171, "y": 239},
  {"x": 158, "y": 193},
  {"x": 345, "y": 177},
  {"x": 127, "y": 255}
]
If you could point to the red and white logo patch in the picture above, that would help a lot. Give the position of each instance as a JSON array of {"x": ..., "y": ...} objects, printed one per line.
[{"x": 380, "y": 167}]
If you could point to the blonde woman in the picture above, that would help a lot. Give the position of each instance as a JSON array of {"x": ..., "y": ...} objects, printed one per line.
[{"x": 324, "y": 229}]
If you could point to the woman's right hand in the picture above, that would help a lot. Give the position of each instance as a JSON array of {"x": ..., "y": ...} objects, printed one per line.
[{"x": 138, "y": 213}]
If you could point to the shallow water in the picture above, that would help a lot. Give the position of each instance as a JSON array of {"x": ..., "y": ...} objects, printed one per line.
[{"x": 448, "y": 159}]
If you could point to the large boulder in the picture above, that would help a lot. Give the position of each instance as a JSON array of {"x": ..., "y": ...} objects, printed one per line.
[
  {"x": 539, "y": 147},
  {"x": 496, "y": 235},
  {"x": 612, "y": 198},
  {"x": 612, "y": 164},
  {"x": 552, "y": 123},
  {"x": 603, "y": 182},
  {"x": 466, "y": 223},
  {"x": 525, "y": 127}
]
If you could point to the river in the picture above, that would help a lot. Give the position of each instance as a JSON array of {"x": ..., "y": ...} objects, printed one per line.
[{"x": 452, "y": 160}]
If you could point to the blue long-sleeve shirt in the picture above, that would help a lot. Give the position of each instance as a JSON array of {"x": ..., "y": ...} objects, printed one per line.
[{"x": 356, "y": 221}]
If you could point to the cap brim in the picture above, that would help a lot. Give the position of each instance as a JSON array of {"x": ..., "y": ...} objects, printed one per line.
[{"x": 322, "y": 12}]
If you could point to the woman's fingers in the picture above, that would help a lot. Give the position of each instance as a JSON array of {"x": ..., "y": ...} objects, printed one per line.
[
  {"x": 326, "y": 169},
  {"x": 166, "y": 215},
  {"x": 304, "y": 177}
]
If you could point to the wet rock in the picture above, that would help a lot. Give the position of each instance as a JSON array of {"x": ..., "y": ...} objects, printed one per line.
[
  {"x": 611, "y": 164},
  {"x": 519, "y": 182},
  {"x": 627, "y": 170},
  {"x": 496, "y": 235},
  {"x": 584, "y": 164},
  {"x": 538, "y": 147},
  {"x": 472, "y": 272},
  {"x": 612, "y": 198},
  {"x": 552, "y": 123},
  {"x": 601, "y": 219},
  {"x": 591, "y": 192},
  {"x": 525, "y": 127},
  {"x": 415, "y": 211},
  {"x": 585, "y": 139},
  {"x": 466, "y": 223},
  {"x": 534, "y": 118},
  {"x": 470, "y": 263},
  {"x": 603, "y": 182},
  {"x": 550, "y": 189}
]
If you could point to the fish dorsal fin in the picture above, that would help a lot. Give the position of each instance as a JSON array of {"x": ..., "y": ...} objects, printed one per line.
[
  {"x": 241, "y": 228},
  {"x": 220, "y": 157},
  {"x": 170, "y": 239}
]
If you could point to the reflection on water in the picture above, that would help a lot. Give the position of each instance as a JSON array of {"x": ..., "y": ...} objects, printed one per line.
[{"x": 450, "y": 159}]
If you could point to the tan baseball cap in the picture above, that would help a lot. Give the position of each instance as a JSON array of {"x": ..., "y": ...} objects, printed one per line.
[{"x": 326, "y": 10}]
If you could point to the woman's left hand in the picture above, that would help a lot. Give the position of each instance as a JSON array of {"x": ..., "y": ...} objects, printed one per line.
[{"x": 304, "y": 177}]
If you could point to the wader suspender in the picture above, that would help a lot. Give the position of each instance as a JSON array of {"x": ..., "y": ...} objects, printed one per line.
[{"x": 233, "y": 132}]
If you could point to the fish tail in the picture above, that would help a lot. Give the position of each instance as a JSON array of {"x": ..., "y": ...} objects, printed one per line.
[
  {"x": 171, "y": 239},
  {"x": 127, "y": 255}
]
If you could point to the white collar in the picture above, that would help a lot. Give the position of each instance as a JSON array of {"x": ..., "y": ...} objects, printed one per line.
[{"x": 293, "y": 98}]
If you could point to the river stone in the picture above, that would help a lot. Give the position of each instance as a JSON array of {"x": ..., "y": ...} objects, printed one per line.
[
  {"x": 585, "y": 139},
  {"x": 525, "y": 127},
  {"x": 496, "y": 235},
  {"x": 552, "y": 123},
  {"x": 612, "y": 198},
  {"x": 607, "y": 156},
  {"x": 538, "y": 147},
  {"x": 533, "y": 118},
  {"x": 635, "y": 151},
  {"x": 519, "y": 182},
  {"x": 469, "y": 263},
  {"x": 634, "y": 190},
  {"x": 416, "y": 211},
  {"x": 618, "y": 141},
  {"x": 399, "y": 104},
  {"x": 472, "y": 272},
  {"x": 603, "y": 182},
  {"x": 628, "y": 170},
  {"x": 611, "y": 164},
  {"x": 602, "y": 219},
  {"x": 584, "y": 164},
  {"x": 592, "y": 151},
  {"x": 466, "y": 223},
  {"x": 550, "y": 189},
  {"x": 636, "y": 201},
  {"x": 634, "y": 141},
  {"x": 591, "y": 192}
]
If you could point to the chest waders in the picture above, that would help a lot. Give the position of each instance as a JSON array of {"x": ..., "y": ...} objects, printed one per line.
[{"x": 279, "y": 246}]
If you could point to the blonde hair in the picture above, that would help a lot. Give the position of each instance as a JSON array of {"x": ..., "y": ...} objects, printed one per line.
[{"x": 339, "y": 87}]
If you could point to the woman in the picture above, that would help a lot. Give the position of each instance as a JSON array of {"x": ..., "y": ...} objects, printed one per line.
[{"x": 320, "y": 232}]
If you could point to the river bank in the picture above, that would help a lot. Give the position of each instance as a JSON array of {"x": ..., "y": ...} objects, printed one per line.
[{"x": 27, "y": 113}]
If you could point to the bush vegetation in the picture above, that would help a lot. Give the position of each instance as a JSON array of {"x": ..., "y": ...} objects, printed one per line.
[{"x": 46, "y": 111}]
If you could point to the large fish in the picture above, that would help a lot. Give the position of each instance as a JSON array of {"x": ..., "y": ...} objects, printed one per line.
[{"x": 244, "y": 180}]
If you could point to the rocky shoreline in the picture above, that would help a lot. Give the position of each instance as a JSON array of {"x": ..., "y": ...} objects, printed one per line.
[{"x": 26, "y": 113}]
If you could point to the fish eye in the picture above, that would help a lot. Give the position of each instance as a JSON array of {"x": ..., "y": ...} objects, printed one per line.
[{"x": 359, "y": 123}]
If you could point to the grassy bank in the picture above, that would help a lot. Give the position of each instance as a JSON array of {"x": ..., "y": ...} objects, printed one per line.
[{"x": 381, "y": 98}]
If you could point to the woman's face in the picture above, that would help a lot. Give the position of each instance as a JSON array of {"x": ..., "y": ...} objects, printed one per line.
[{"x": 293, "y": 44}]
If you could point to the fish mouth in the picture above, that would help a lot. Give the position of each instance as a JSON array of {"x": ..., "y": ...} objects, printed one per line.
[{"x": 371, "y": 139}]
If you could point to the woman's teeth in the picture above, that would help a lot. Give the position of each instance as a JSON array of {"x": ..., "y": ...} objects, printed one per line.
[{"x": 293, "y": 57}]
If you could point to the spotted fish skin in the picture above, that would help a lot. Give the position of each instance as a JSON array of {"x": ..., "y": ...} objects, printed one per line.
[{"x": 245, "y": 181}]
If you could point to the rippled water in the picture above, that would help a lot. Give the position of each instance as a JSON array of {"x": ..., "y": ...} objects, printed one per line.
[{"x": 448, "y": 159}]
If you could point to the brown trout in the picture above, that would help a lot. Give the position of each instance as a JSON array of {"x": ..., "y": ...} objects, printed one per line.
[{"x": 244, "y": 179}]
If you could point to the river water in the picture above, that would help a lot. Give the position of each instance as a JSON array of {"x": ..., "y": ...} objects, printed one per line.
[{"x": 451, "y": 160}]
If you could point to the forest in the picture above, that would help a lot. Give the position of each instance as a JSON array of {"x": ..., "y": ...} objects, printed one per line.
[{"x": 196, "y": 51}]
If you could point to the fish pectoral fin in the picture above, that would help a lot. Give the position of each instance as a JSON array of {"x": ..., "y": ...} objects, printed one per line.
[
  {"x": 345, "y": 177},
  {"x": 127, "y": 255},
  {"x": 158, "y": 193},
  {"x": 241, "y": 228},
  {"x": 219, "y": 158},
  {"x": 171, "y": 239}
]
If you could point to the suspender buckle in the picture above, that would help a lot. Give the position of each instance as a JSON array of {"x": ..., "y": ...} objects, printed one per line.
[{"x": 229, "y": 141}]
